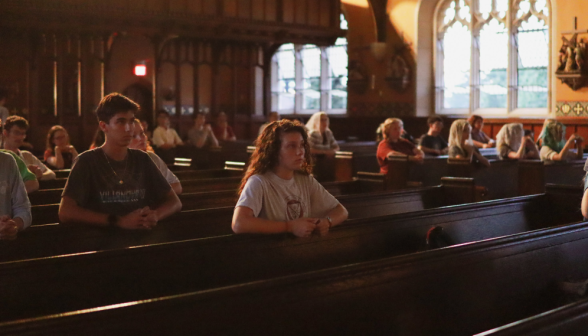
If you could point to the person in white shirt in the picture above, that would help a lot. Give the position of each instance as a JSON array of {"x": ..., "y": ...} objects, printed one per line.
[
  {"x": 15, "y": 208},
  {"x": 165, "y": 137},
  {"x": 278, "y": 194},
  {"x": 15, "y": 132}
]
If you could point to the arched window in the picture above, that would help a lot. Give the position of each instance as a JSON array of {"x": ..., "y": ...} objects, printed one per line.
[
  {"x": 492, "y": 56},
  {"x": 308, "y": 78}
]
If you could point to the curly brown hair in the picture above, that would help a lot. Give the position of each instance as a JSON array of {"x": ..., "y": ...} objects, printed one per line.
[
  {"x": 267, "y": 151},
  {"x": 50, "y": 144}
]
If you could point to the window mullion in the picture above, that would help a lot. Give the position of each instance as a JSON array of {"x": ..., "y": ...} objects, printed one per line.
[
  {"x": 511, "y": 70},
  {"x": 298, "y": 74},
  {"x": 325, "y": 80},
  {"x": 475, "y": 60}
]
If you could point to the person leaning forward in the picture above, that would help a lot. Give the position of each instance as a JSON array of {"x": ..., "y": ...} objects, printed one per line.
[{"x": 113, "y": 185}]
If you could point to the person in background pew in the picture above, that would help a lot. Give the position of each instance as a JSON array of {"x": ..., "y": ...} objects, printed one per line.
[
  {"x": 29, "y": 179},
  {"x": 433, "y": 143},
  {"x": 140, "y": 142},
  {"x": 555, "y": 148},
  {"x": 320, "y": 137},
  {"x": 222, "y": 130},
  {"x": 15, "y": 132},
  {"x": 165, "y": 138},
  {"x": 59, "y": 154},
  {"x": 479, "y": 138},
  {"x": 512, "y": 143},
  {"x": 395, "y": 146},
  {"x": 201, "y": 135},
  {"x": 278, "y": 194},
  {"x": 113, "y": 185},
  {"x": 460, "y": 143},
  {"x": 272, "y": 116},
  {"x": 15, "y": 208},
  {"x": 147, "y": 131}
]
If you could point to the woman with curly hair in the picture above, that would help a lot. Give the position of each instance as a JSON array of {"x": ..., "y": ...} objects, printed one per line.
[{"x": 278, "y": 194}]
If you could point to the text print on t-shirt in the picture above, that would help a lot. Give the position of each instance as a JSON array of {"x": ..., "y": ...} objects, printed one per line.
[
  {"x": 125, "y": 196},
  {"x": 294, "y": 207}
]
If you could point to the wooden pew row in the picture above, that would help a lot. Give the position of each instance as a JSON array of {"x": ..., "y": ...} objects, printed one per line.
[
  {"x": 53, "y": 239},
  {"x": 569, "y": 320},
  {"x": 570, "y": 173},
  {"x": 224, "y": 193},
  {"x": 72, "y": 282}
]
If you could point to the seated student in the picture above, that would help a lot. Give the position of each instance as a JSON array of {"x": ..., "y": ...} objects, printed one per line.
[
  {"x": 165, "y": 137},
  {"x": 479, "y": 138},
  {"x": 460, "y": 146},
  {"x": 30, "y": 180},
  {"x": 222, "y": 130},
  {"x": 59, "y": 153},
  {"x": 584, "y": 204},
  {"x": 278, "y": 194},
  {"x": 148, "y": 132},
  {"x": 140, "y": 142},
  {"x": 512, "y": 143},
  {"x": 15, "y": 132},
  {"x": 433, "y": 143},
  {"x": 272, "y": 116},
  {"x": 201, "y": 134},
  {"x": 404, "y": 135},
  {"x": 113, "y": 185},
  {"x": 15, "y": 208},
  {"x": 393, "y": 145},
  {"x": 320, "y": 137},
  {"x": 555, "y": 148}
]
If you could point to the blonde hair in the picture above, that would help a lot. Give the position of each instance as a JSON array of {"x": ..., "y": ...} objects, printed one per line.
[
  {"x": 314, "y": 122},
  {"x": 385, "y": 126},
  {"x": 456, "y": 132}
]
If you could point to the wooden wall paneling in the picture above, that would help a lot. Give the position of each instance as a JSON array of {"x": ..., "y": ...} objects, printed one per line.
[
  {"x": 196, "y": 48},
  {"x": 178, "y": 76},
  {"x": 300, "y": 12},
  {"x": 258, "y": 10},
  {"x": 178, "y": 6},
  {"x": 288, "y": 11},
  {"x": 195, "y": 7},
  {"x": 314, "y": 13},
  {"x": 326, "y": 12},
  {"x": 229, "y": 8},
  {"x": 210, "y": 7},
  {"x": 244, "y": 9},
  {"x": 167, "y": 83}
]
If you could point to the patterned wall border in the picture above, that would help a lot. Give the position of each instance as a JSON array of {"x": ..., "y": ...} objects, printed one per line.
[{"x": 571, "y": 109}]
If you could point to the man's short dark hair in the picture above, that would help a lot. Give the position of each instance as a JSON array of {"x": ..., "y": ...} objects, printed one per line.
[
  {"x": 433, "y": 119},
  {"x": 18, "y": 121},
  {"x": 115, "y": 103},
  {"x": 162, "y": 112}
]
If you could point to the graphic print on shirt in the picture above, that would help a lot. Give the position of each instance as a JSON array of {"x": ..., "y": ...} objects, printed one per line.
[
  {"x": 294, "y": 207},
  {"x": 125, "y": 196}
]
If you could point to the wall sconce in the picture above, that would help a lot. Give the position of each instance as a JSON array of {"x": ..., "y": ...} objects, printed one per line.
[{"x": 378, "y": 50}]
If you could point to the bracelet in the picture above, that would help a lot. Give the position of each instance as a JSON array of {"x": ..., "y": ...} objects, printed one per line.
[{"x": 330, "y": 221}]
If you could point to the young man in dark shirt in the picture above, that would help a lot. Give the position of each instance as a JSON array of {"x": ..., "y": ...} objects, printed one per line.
[
  {"x": 113, "y": 185},
  {"x": 433, "y": 143}
]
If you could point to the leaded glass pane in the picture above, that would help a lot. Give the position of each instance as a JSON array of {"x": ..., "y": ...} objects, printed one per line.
[
  {"x": 286, "y": 77},
  {"x": 456, "y": 66},
  {"x": 533, "y": 45},
  {"x": 493, "y": 63},
  {"x": 338, "y": 61},
  {"x": 311, "y": 77}
]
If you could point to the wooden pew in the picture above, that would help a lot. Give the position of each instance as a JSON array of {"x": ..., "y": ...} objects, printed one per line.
[
  {"x": 569, "y": 320},
  {"x": 81, "y": 281},
  {"x": 459, "y": 290},
  {"x": 570, "y": 173}
]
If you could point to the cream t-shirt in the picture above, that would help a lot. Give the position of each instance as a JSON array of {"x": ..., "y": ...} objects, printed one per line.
[{"x": 274, "y": 198}]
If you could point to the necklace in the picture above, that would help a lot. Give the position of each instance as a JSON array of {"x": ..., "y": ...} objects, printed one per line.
[{"x": 120, "y": 180}]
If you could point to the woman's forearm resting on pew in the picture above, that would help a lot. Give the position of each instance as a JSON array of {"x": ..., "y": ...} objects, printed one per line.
[{"x": 244, "y": 221}]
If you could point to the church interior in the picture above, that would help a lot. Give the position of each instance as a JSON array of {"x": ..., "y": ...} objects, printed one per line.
[{"x": 433, "y": 245}]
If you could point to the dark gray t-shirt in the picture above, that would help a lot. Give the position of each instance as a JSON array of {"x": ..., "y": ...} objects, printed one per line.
[
  {"x": 94, "y": 185},
  {"x": 433, "y": 142}
]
